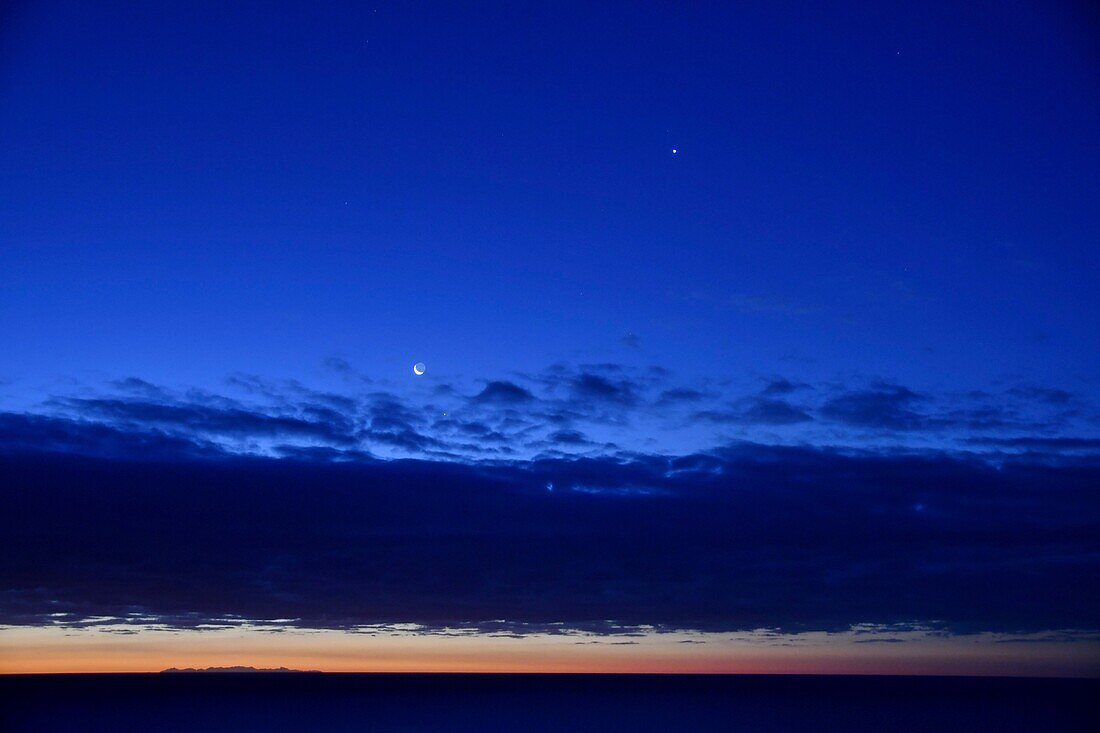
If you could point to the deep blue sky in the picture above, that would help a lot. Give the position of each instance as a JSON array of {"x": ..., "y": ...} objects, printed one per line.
[
  {"x": 902, "y": 191},
  {"x": 832, "y": 362}
]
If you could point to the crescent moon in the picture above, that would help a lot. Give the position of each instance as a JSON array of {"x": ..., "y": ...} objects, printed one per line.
[{"x": 418, "y": 368}]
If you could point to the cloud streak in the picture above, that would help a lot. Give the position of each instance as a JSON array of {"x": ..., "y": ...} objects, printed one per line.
[{"x": 589, "y": 410}]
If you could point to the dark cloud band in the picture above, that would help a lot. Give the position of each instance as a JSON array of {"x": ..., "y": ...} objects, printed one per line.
[{"x": 104, "y": 522}]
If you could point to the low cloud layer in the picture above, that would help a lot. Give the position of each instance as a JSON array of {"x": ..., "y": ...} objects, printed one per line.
[
  {"x": 102, "y": 522},
  {"x": 589, "y": 410}
]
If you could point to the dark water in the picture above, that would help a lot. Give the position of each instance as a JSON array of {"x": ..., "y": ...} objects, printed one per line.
[{"x": 528, "y": 703}]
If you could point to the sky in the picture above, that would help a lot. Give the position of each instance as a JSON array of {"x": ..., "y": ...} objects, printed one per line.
[{"x": 757, "y": 336}]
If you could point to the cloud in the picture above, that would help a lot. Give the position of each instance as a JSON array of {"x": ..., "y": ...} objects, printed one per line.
[
  {"x": 629, "y": 408},
  {"x": 135, "y": 385},
  {"x": 502, "y": 392},
  {"x": 589, "y": 386},
  {"x": 394, "y": 424},
  {"x": 321, "y": 423},
  {"x": 396, "y": 434},
  {"x": 1048, "y": 395},
  {"x": 470, "y": 428},
  {"x": 345, "y": 369},
  {"x": 778, "y": 387},
  {"x": 740, "y": 537},
  {"x": 758, "y": 410},
  {"x": 774, "y": 412},
  {"x": 1040, "y": 443},
  {"x": 568, "y": 437},
  {"x": 885, "y": 405},
  {"x": 338, "y": 364},
  {"x": 22, "y": 432}
]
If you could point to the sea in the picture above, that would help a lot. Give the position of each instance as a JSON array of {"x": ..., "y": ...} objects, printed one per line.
[{"x": 259, "y": 701}]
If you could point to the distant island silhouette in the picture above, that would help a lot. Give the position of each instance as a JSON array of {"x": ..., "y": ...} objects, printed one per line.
[{"x": 173, "y": 670}]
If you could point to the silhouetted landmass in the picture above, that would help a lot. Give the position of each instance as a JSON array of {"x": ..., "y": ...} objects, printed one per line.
[{"x": 235, "y": 669}]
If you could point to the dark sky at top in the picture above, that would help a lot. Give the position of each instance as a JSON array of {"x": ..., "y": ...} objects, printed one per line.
[
  {"x": 646, "y": 251},
  {"x": 889, "y": 190}
]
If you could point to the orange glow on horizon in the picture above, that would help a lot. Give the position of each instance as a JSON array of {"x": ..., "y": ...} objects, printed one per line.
[{"x": 57, "y": 650}]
